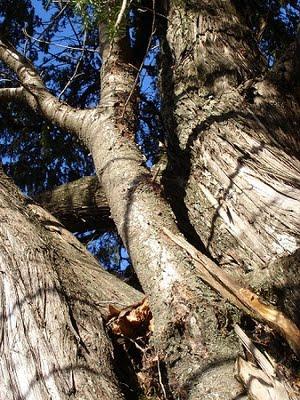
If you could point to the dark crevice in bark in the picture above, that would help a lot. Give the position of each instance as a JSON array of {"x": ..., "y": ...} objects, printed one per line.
[
  {"x": 177, "y": 172},
  {"x": 130, "y": 362},
  {"x": 124, "y": 371}
]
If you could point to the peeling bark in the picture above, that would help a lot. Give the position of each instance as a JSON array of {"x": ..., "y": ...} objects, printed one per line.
[{"x": 234, "y": 144}]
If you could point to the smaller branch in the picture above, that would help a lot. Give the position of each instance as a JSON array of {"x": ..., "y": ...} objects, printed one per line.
[
  {"x": 121, "y": 13},
  {"x": 74, "y": 30},
  {"x": 57, "y": 44},
  {"x": 52, "y": 21},
  {"x": 75, "y": 73},
  {"x": 142, "y": 63}
]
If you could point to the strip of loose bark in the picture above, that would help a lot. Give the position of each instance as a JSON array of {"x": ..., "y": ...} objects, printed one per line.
[
  {"x": 240, "y": 296},
  {"x": 79, "y": 205},
  {"x": 263, "y": 383}
]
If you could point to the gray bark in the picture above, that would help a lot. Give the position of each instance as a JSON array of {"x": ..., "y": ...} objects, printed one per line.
[
  {"x": 54, "y": 296},
  {"x": 79, "y": 205}
]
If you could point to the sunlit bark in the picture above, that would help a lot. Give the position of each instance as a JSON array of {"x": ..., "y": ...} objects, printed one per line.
[{"x": 54, "y": 296}]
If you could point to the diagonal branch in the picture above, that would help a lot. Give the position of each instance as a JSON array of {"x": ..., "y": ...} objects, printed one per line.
[{"x": 38, "y": 96}]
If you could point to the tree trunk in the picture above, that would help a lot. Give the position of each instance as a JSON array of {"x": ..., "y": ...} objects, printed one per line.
[
  {"x": 198, "y": 361},
  {"x": 54, "y": 296},
  {"x": 233, "y": 148},
  {"x": 192, "y": 340}
]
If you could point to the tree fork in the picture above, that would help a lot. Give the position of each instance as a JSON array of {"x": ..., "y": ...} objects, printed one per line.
[
  {"x": 186, "y": 335},
  {"x": 199, "y": 361}
]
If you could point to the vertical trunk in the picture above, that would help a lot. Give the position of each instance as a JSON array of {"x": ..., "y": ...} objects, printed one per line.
[
  {"x": 234, "y": 146},
  {"x": 53, "y": 298}
]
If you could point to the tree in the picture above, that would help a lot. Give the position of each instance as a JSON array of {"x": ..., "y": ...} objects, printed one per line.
[{"x": 231, "y": 186}]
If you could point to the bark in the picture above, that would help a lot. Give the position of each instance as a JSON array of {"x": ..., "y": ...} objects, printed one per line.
[
  {"x": 188, "y": 316},
  {"x": 54, "y": 296},
  {"x": 198, "y": 361},
  {"x": 233, "y": 148},
  {"x": 79, "y": 205}
]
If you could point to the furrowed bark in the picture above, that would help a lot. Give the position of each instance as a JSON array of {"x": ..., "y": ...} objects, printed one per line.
[
  {"x": 235, "y": 137},
  {"x": 54, "y": 296},
  {"x": 79, "y": 205},
  {"x": 187, "y": 314}
]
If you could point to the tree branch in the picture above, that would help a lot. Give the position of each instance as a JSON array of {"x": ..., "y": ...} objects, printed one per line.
[
  {"x": 8, "y": 94},
  {"x": 40, "y": 99},
  {"x": 79, "y": 205}
]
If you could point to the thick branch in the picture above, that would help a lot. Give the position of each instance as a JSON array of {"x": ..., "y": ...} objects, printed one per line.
[
  {"x": 11, "y": 94},
  {"x": 177, "y": 296},
  {"x": 79, "y": 205}
]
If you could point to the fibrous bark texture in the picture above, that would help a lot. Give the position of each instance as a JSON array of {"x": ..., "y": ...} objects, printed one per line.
[
  {"x": 197, "y": 359},
  {"x": 53, "y": 297},
  {"x": 227, "y": 134},
  {"x": 235, "y": 144}
]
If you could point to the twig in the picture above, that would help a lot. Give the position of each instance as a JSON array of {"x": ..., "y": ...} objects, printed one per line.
[
  {"x": 74, "y": 75},
  {"x": 135, "y": 343},
  {"x": 160, "y": 379},
  {"x": 121, "y": 13},
  {"x": 58, "y": 45}
]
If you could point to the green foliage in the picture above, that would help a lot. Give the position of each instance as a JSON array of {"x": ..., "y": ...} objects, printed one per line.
[{"x": 95, "y": 12}]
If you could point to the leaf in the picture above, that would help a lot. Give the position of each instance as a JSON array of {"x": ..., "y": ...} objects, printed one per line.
[{"x": 132, "y": 321}]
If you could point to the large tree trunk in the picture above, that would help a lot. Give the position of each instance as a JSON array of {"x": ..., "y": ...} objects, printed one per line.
[
  {"x": 196, "y": 354},
  {"x": 54, "y": 296},
  {"x": 234, "y": 148},
  {"x": 198, "y": 360}
]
